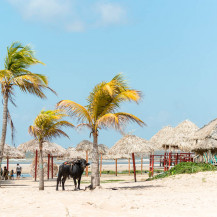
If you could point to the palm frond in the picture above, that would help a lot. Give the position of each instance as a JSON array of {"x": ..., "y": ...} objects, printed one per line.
[
  {"x": 118, "y": 120},
  {"x": 74, "y": 109}
]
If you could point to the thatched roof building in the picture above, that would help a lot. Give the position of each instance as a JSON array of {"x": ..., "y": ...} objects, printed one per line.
[
  {"x": 179, "y": 138},
  {"x": 103, "y": 149},
  {"x": 72, "y": 153},
  {"x": 131, "y": 144},
  {"x": 205, "y": 138},
  {"x": 48, "y": 148},
  {"x": 12, "y": 152},
  {"x": 84, "y": 145},
  {"x": 161, "y": 137}
]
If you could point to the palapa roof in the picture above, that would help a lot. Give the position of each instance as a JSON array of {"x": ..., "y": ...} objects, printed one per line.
[
  {"x": 84, "y": 145},
  {"x": 103, "y": 149},
  {"x": 205, "y": 138},
  {"x": 116, "y": 156},
  {"x": 12, "y": 152},
  {"x": 131, "y": 144},
  {"x": 72, "y": 153},
  {"x": 181, "y": 133},
  {"x": 161, "y": 137},
  {"x": 48, "y": 148}
]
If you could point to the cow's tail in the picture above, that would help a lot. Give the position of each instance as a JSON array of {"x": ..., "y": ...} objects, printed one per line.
[{"x": 58, "y": 179}]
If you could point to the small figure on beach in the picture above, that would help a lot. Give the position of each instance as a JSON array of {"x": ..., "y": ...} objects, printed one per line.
[
  {"x": 5, "y": 173},
  {"x": 12, "y": 174},
  {"x": 18, "y": 171}
]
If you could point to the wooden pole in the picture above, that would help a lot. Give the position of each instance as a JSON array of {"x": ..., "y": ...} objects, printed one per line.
[
  {"x": 152, "y": 172},
  {"x": 134, "y": 166},
  {"x": 36, "y": 161},
  {"x": 87, "y": 162},
  {"x": 116, "y": 167},
  {"x": 101, "y": 165},
  {"x": 129, "y": 165},
  {"x": 7, "y": 163},
  {"x": 141, "y": 164},
  {"x": 48, "y": 166},
  {"x": 169, "y": 160},
  {"x": 52, "y": 167}
]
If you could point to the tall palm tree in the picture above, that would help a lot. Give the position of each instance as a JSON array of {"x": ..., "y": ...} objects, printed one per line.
[
  {"x": 47, "y": 125},
  {"x": 16, "y": 74},
  {"x": 101, "y": 112}
]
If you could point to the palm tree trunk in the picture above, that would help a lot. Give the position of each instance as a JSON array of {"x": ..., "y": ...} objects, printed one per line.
[
  {"x": 95, "y": 179},
  {"x": 4, "y": 126},
  {"x": 41, "y": 169}
]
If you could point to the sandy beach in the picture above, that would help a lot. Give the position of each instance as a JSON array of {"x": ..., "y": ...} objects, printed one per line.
[{"x": 179, "y": 196}]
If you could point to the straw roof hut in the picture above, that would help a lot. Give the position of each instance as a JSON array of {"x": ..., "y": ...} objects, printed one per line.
[
  {"x": 103, "y": 149},
  {"x": 48, "y": 148},
  {"x": 12, "y": 152},
  {"x": 160, "y": 138},
  {"x": 205, "y": 138},
  {"x": 131, "y": 144},
  {"x": 179, "y": 138},
  {"x": 84, "y": 145},
  {"x": 72, "y": 153}
]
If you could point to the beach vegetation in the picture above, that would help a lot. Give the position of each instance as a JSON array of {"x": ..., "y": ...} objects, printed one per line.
[
  {"x": 101, "y": 112},
  {"x": 16, "y": 73},
  {"x": 185, "y": 168},
  {"x": 47, "y": 125}
]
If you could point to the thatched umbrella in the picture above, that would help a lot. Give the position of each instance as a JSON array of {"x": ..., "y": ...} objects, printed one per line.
[
  {"x": 49, "y": 149},
  {"x": 103, "y": 149},
  {"x": 161, "y": 137},
  {"x": 205, "y": 139},
  {"x": 72, "y": 153},
  {"x": 178, "y": 140},
  {"x": 12, "y": 152},
  {"x": 87, "y": 146},
  {"x": 131, "y": 144},
  {"x": 116, "y": 157}
]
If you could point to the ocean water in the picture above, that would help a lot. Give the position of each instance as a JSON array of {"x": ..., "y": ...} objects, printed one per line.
[{"x": 58, "y": 162}]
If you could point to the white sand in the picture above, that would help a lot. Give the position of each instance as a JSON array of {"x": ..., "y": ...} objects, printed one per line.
[{"x": 181, "y": 196}]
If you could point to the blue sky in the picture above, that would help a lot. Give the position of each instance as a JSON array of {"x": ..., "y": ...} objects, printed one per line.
[{"x": 167, "y": 49}]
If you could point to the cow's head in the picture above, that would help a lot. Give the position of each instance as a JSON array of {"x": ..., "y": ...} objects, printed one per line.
[{"x": 83, "y": 163}]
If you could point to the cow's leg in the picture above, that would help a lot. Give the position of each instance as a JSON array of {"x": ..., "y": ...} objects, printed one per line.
[
  {"x": 79, "y": 181},
  {"x": 63, "y": 183},
  {"x": 58, "y": 181},
  {"x": 75, "y": 183}
]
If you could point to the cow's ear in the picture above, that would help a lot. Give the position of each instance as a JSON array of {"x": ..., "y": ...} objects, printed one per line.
[{"x": 87, "y": 164}]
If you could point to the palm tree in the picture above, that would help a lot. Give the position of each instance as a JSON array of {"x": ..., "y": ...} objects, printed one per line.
[
  {"x": 100, "y": 112},
  {"x": 16, "y": 74},
  {"x": 47, "y": 125}
]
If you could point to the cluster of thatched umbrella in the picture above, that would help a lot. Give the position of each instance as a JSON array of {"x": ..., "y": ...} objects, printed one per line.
[{"x": 185, "y": 137}]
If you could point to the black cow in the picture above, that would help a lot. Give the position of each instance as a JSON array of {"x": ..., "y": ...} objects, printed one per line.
[{"x": 73, "y": 169}]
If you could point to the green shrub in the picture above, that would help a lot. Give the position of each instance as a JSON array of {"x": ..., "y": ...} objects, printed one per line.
[{"x": 186, "y": 167}]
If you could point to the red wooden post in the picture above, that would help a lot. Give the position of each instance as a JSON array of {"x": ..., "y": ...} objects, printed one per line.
[
  {"x": 129, "y": 166},
  {"x": 36, "y": 161},
  {"x": 7, "y": 163},
  {"x": 152, "y": 172},
  {"x": 101, "y": 165},
  {"x": 176, "y": 158},
  {"x": 189, "y": 155},
  {"x": 87, "y": 162},
  {"x": 52, "y": 167},
  {"x": 116, "y": 167},
  {"x": 150, "y": 163},
  {"x": 169, "y": 160},
  {"x": 165, "y": 161},
  {"x": 48, "y": 166},
  {"x": 134, "y": 166}
]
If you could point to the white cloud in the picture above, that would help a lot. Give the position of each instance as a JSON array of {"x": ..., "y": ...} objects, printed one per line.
[
  {"x": 111, "y": 13},
  {"x": 72, "y": 15}
]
